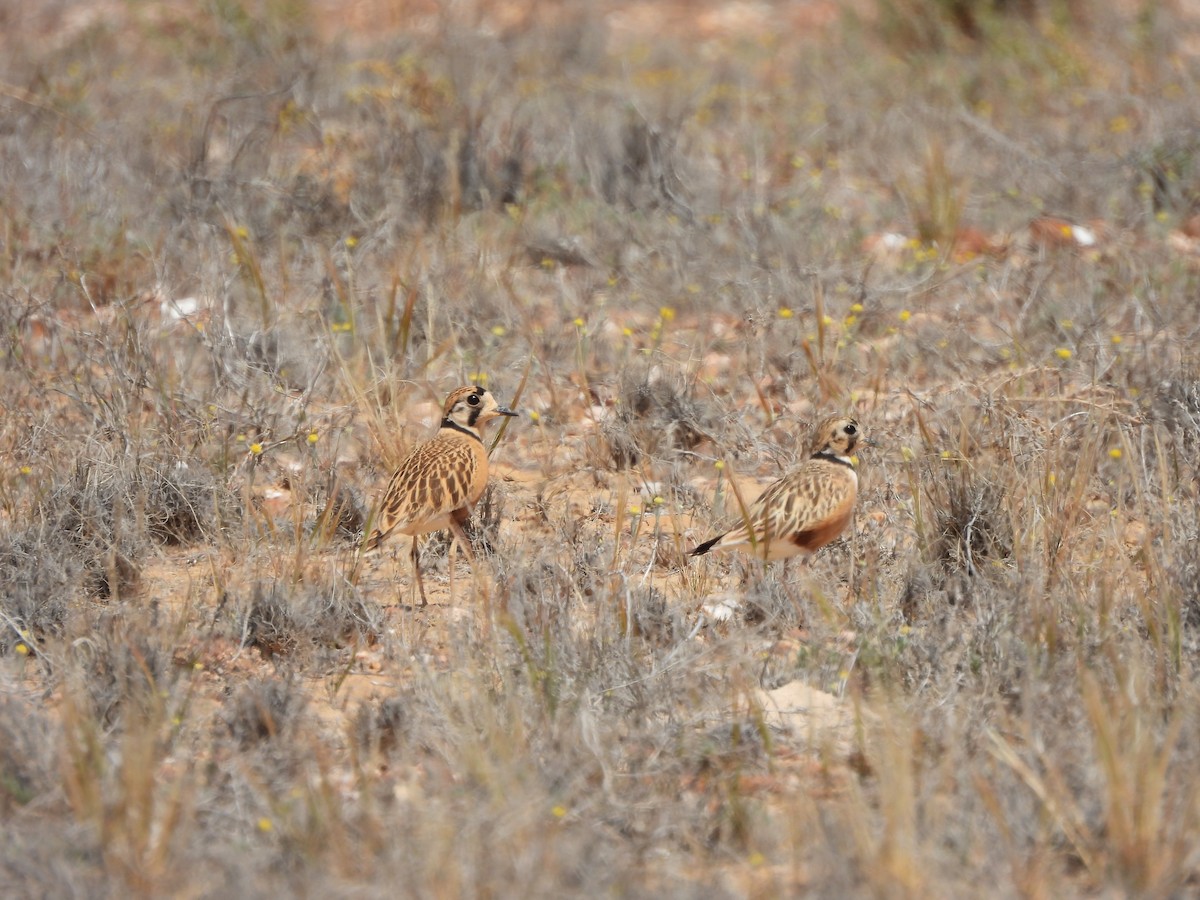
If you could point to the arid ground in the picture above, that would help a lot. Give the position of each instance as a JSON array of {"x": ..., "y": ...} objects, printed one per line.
[{"x": 248, "y": 246}]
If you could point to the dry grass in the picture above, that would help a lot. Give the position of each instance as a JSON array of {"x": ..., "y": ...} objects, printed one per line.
[{"x": 245, "y": 256}]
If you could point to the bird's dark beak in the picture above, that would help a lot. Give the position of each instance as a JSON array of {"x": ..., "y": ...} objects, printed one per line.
[{"x": 505, "y": 411}]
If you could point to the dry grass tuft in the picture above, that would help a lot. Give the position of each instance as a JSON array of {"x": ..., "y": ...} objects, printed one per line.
[
  {"x": 653, "y": 417},
  {"x": 281, "y": 618},
  {"x": 268, "y": 710}
]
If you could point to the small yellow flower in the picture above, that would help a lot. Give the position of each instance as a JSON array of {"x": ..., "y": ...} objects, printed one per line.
[
  {"x": 480, "y": 378},
  {"x": 22, "y": 649},
  {"x": 826, "y": 321},
  {"x": 719, "y": 465},
  {"x": 26, "y": 470},
  {"x": 547, "y": 263},
  {"x": 1052, "y": 479},
  {"x": 579, "y": 323},
  {"x": 256, "y": 448},
  {"x": 945, "y": 454},
  {"x": 241, "y": 437},
  {"x": 1067, "y": 324},
  {"x": 785, "y": 313},
  {"x": 1115, "y": 453},
  {"x": 850, "y": 321},
  {"x": 198, "y": 666},
  {"x": 628, "y": 332},
  {"x": 558, "y": 811},
  {"x": 313, "y": 437},
  {"x": 666, "y": 313},
  {"x": 499, "y": 330},
  {"x": 905, "y": 315},
  {"x": 635, "y": 510},
  {"x": 265, "y": 825},
  {"x": 756, "y": 859},
  {"x": 1063, "y": 353},
  {"x": 535, "y": 416},
  {"x": 1116, "y": 339},
  {"x": 242, "y": 232},
  {"x": 659, "y": 501},
  {"x": 907, "y": 453},
  {"x": 856, "y": 308},
  {"x": 351, "y": 242}
]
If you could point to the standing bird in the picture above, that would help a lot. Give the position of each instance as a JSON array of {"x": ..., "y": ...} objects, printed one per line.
[
  {"x": 806, "y": 508},
  {"x": 438, "y": 483}
]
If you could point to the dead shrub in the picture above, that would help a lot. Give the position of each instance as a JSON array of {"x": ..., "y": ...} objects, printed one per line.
[
  {"x": 282, "y": 618},
  {"x": 654, "y": 417}
]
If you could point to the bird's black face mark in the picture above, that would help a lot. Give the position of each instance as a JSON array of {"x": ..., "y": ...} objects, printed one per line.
[{"x": 849, "y": 434}]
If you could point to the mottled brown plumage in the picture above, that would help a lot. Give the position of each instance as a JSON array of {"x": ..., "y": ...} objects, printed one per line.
[
  {"x": 806, "y": 508},
  {"x": 438, "y": 483}
]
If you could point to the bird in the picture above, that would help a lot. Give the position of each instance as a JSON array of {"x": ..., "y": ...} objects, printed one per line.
[
  {"x": 805, "y": 509},
  {"x": 439, "y": 481}
]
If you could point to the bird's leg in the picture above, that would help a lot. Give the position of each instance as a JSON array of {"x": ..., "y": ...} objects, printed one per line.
[
  {"x": 416, "y": 561},
  {"x": 799, "y": 597},
  {"x": 457, "y": 520},
  {"x": 460, "y": 540}
]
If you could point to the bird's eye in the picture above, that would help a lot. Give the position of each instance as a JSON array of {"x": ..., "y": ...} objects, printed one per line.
[
  {"x": 473, "y": 399},
  {"x": 851, "y": 428}
]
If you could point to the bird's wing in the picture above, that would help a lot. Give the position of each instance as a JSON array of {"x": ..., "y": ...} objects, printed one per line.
[
  {"x": 434, "y": 480},
  {"x": 805, "y": 499}
]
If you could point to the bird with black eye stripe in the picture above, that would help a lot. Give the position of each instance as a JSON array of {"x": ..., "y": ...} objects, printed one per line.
[{"x": 439, "y": 481}]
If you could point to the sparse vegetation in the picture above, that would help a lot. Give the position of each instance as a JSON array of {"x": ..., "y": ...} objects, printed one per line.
[{"x": 247, "y": 247}]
